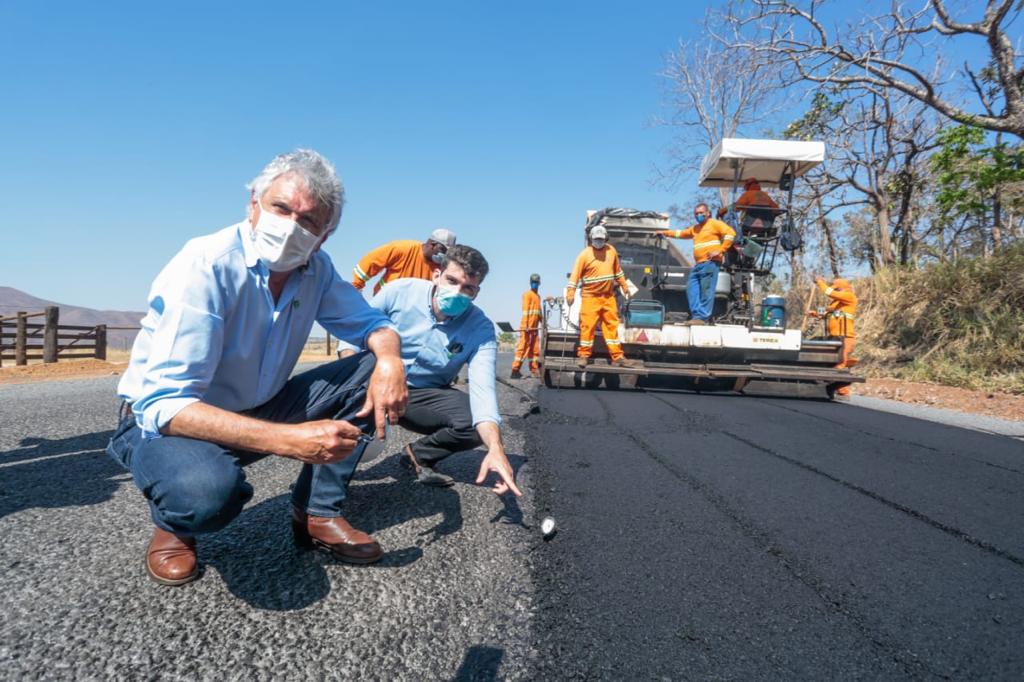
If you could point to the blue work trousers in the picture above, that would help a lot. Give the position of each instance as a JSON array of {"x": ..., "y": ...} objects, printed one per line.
[
  {"x": 700, "y": 289},
  {"x": 195, "y": 486}
]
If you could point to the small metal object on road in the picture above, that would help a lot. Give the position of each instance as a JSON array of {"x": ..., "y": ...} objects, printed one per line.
[{"x": 548, "y": 527}]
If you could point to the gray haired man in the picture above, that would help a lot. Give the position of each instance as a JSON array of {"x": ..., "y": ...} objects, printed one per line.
[{"x": 207, "y": 390}]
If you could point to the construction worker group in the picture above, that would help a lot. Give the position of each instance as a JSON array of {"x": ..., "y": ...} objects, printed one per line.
[{"x": 597, "y": 277}]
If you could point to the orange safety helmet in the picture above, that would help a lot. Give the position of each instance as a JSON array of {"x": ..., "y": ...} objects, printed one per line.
[{"x": 751, "y": 183}]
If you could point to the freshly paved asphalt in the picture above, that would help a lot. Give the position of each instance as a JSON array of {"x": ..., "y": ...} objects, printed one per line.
[
  {"x": 729, "y": 537},
  {"x": 700, "y": 537}
]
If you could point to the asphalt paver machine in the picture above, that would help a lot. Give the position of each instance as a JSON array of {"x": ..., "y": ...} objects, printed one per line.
[{"x": 749, "y": 346}]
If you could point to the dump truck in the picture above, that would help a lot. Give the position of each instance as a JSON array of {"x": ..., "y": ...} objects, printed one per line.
[{"x": 749, "y": 347}]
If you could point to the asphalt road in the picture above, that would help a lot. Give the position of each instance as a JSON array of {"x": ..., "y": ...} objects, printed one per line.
[
  {"x": 450, "y": 600},
  {"x": 700, "y": 537},
  {"x": 727, "y": 537}
]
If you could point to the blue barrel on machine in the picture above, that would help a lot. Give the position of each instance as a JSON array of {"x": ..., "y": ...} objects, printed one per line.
[{"x": 773, "y": 312}]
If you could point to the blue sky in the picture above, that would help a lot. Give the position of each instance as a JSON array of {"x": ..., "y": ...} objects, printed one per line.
[{"x": 129, "y": 128}]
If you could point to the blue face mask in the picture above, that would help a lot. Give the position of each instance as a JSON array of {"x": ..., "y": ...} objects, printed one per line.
[
  {"x": 534, "y": 286},
  {"x": 452, "y": 302},
  {"x": 701, "y": 218}
]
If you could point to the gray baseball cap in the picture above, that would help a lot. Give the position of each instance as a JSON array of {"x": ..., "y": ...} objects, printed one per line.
[{"x": 443, "y": 236}]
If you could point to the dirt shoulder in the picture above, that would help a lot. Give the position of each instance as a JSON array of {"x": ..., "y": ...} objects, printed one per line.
[
  {"x": 69, "y": 369},
  {"x": 82, "y": 369},
  {"x": 992, "y": 404}
]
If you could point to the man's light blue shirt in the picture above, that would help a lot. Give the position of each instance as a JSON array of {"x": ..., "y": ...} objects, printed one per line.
[
  {"x": 434, "y": 351},
  {"x": 213, "y": 332}
]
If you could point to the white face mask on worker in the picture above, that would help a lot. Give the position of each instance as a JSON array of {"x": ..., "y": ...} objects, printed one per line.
[{"x": 282, "y": 244}]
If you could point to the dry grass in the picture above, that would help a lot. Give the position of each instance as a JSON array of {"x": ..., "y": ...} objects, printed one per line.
[{"x": 959, "y": 324}]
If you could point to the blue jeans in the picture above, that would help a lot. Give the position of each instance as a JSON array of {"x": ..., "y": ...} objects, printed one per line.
[
  {"x": 700, "y": 289},
  {"x": 195, "y": 486}
]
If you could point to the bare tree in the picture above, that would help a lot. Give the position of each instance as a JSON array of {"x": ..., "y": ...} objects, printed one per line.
[
  {"x": 878, "y": 147},
  {"x": 711, "y": 92},
  {"x": 891, "y": 52}
]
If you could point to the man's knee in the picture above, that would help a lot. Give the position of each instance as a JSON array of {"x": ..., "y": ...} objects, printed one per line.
[{"x": 198, "y": 497}]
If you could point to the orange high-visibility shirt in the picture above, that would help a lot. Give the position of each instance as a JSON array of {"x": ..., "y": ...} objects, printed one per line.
[
  {"x": 401, "y": 258},
  {"x": 597, "y": 271},
  {"x": 531, "y": 310},
  {"x": 842, "y": 308},
  {"x": 755, "y": 198},
  {"x": 712, "y": 235}
]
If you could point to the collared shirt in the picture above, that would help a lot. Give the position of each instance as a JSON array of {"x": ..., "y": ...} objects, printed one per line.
[
  {"x": 434, "y": 351},
  {"x": 213, "y": 332}
]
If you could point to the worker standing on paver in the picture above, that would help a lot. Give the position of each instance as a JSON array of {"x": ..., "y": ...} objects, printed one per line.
[
  {"x": 528, "y": 348},
  {"x": 403, "y": 258},
  {"x": 840, "y": 313},
  {"x": 596, "y": 272},
  {"x": 711, "y": 239}
]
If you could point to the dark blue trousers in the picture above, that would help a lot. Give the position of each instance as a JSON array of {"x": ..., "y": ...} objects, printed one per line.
[
  {"x": 700, "y": 289},
  {"x": 194, "y": 486}
]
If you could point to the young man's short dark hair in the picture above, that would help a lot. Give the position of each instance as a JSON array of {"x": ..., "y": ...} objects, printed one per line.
[{"x": 469, "y": 259}]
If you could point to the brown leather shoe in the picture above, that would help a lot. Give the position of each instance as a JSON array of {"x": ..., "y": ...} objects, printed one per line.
[
  {"x": 582, "y": 362},
  {"x": 335, "y": 536},
  {"x": 171, "y": 560},
  {"x": 625, "y": 362}
]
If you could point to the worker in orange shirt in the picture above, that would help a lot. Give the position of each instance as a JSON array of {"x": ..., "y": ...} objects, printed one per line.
[
  {"x": 595, "y": 274},
  {"x": 403, "y": 258},
  {"x": 754, "y": 197},
  {"x": 711, "y": 239},
  {"x": 840, "y": 313},
  {"x": 528, "y": 348}
]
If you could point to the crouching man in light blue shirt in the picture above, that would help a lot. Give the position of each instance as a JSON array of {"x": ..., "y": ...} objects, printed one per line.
[
  {"x": 207, "y": 390},
  {"x": 442, "y": 331}
]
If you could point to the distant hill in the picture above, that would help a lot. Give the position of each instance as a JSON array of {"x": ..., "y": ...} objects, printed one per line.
[{"x": 12, "y": 300}]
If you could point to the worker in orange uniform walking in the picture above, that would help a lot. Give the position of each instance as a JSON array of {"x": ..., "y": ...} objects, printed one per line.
[
  {"x": 403, "y": 258},
  {"x": 528, "y": 348},
  {"x": 711, "y": 239},
  {"x": 841, "y": 310},
  {"x": 596, "y": 272}
]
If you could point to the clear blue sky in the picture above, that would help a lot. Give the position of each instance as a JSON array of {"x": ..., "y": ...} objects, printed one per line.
[{"x": 129, "y": 128}]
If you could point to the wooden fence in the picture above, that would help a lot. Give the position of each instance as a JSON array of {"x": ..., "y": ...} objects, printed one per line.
[{"x": 22, "y": 339}]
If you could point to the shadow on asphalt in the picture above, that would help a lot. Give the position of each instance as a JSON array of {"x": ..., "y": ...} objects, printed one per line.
[
  {"x": 480, "y": 664},
  {"x": 87, "y": 477},
  {"x": 259, "y": 563}
]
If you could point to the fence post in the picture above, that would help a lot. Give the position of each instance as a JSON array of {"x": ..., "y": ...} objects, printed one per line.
[
  {"x": 101, "y": 342},
  {"x": 328, "y": 344},
  {"x": 19, "y": 339},
  {"x": 50, "y": 334}
]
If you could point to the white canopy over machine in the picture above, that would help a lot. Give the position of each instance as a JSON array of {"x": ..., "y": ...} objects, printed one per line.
[{"x": 735, "y": 159}]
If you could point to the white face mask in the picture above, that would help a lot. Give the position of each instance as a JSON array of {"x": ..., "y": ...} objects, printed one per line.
[
  {"x": 598, "y": 243},
  {"x": 282, "y": 244}
]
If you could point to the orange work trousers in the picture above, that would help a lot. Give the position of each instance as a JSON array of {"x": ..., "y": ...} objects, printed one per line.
[
  {"x": 594, "y": 309},
  {"x": 848, "y": 343},
  {"x": 528, "y": 350}
]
